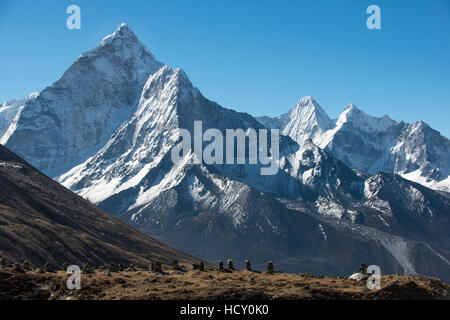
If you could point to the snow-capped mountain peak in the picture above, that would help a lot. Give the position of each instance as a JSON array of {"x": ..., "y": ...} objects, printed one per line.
[
  {"x": 124, "y": 39},
  {"x": 307, "y": 109},
  {"x": 415, "y": 151},
  {"x": 18, "y": 102},
  {"x": 353, "y": 116},
  {"x": 122, "y": 32},
  {"x": 10, "y": 113},
  {"x": 124, "y": 50},
  {"x": 70, "y": 120},
  {"x": 306, "y": 120}
]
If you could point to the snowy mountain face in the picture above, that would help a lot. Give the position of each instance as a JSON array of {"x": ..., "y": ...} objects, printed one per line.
[
  {"x": 309, "y": 116},
  {"x": 71, "y": 119},
  {"x": 414, "y": 151},
  {"x": 113, "y": 143},
  {"x": 10, "y": 114}
]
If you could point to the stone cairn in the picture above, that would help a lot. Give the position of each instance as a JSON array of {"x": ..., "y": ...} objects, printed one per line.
[
  {"x": 27, "y": 265},
  {"x": 230, "y": 264},
  {"x": 270, "y": 268},
  {"x": 65, "y": 266},
  {"x": 220, "y": 265},
  {"x": 113, "y": 267},
  {"x": 87, "y": 268},
  {"x": 17, "y": 268},
  {"x": 248, "y": 266},
  {"x": 200, "y": 266},
  {"x": 175, "y": 265},
  {"x": 47, "y": 267},
  {"x": 156, "y": 267},
  {"x": 363, "y": 268},
  {"x": 131, "y": 268}
]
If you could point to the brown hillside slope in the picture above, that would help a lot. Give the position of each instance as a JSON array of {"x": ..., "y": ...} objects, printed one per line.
[
  {"x": 213, "y": 285},
  {"x": 40, "y": 221}
]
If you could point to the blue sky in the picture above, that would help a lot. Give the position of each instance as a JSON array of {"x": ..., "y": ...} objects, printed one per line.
[{"x": 260, "y": 56}]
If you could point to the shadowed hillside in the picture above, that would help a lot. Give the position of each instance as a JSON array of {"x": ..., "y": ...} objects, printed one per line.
[{"x": 42, "y": 221}]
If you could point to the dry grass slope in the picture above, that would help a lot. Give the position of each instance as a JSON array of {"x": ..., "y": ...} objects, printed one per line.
[{"x": 211, "y": 285}]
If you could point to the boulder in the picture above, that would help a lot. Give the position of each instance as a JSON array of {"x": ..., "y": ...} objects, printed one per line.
[
  {"x": 248, "y": 266},
  {"x": 270, "y": 268},
  {"x": 358, "y": 276}
]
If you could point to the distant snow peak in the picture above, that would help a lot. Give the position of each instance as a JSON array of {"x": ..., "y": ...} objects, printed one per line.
[
  {"x": 124, "y": 48},
  {"x": 16, "y": 102},
  {"x": 10, "y": 114},
  {"x": 306, "y": 120},
  {"x": 353, "y": 107},
  {"x": 306, "y": 100},
  {"x": 357, "y": 118},
  {"x": 75, "y": 117},
  {"x": 308, "y": 110},
  {"x": 369, "y": 143},
  {"x": 122, "y": 32}
]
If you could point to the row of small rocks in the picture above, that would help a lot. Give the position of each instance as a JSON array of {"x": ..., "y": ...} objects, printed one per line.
[
  {"x": 156, "y": 267},
  {"x": 113, "y": 267},
  {"x": 247, "y": 266},
  {"x": 48, "y": 267},
  {"x": 25, "y": 266}
]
